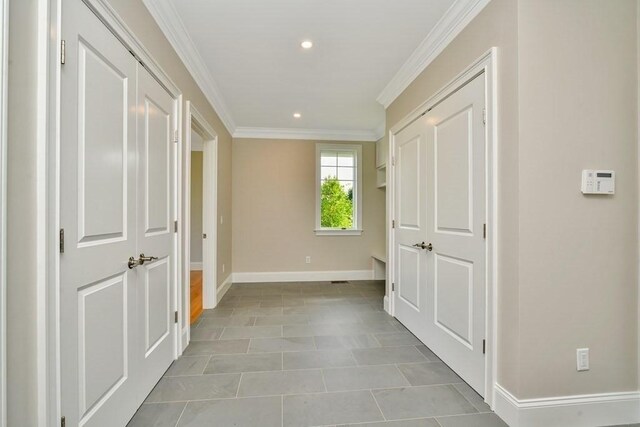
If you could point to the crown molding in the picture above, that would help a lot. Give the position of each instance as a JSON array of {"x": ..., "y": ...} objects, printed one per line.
[
  {"x": 173, "y": 28},
  {"x": 450, "y": 25},
  {"x": 312, "y": 134}
]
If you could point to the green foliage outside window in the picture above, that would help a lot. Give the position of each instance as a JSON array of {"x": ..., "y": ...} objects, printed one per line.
[{"x": 336, "y": 205}]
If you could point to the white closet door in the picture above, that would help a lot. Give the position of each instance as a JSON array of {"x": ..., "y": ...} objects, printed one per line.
[
  {"x": 98, "y": 311},
  {"x": 456, "y": 211},
  {"x": 440, "y": 211},
  {"x": 156, "y": 207},
  {"x": 410, "y": 225}
]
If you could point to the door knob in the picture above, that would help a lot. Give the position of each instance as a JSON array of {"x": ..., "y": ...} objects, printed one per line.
[
  {"x": 422, "y": 245},
  {"x": 136, "y": 262}
]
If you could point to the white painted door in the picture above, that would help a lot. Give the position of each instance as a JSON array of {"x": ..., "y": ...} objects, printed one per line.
[
  {"x": 116, "y": 201},
  {"x": 451, "y": 281},
  {"x": 155, "y": 228},
  {"x": 410, "y": 225},
  {"x": 456, "y": 216},
  {"x": 98, "y": 336}
]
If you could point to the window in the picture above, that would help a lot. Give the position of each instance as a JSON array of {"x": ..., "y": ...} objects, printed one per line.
[{"x": 338, "y": 189}]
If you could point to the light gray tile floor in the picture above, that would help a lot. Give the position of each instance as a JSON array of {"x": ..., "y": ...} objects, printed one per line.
[{"x": 309, "y": 354}]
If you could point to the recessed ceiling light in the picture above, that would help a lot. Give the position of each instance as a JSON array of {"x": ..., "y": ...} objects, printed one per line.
[
  {"x": 297, "y": 115},
  {"x": 307, "y": 44}
]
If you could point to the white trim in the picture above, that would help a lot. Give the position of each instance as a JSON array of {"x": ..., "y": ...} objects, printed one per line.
[
  {"x": 196, "y": 266},
  {"x": 336, "y": 232},
  {"x": 48, "y": 186},
  {"x": 385, "y": 303},
  {"x": 568, "y": 411},
  {"x": 450, "y": 25},
  {"x": 4, "y": 41},
  {"x": 308, "y": 134},
  {"x": 486, "y": 64},
  {"x": 194, "y": 119},
  {"x": 168, "y": 19},
  {"x": 225, "y": 286},
  {"x": 358, "y": 206},
  {"x": 302, "y": 276}
]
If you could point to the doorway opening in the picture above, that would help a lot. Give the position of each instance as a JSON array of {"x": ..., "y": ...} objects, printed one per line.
[{"x": 199, "y": 183}]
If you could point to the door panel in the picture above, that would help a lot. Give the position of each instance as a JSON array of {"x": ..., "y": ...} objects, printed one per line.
[
  {"x": 103, "y": 330},
  {"x": 98, "y": 214},
  {"x": 410, "y": 212},
  {"x": 157, "y": 138},
  {"x": 453, "y": 297},
  {"x": 409, "y": 174},
  {"x": 409, "y": 278},
  {"x": 157, "y": 296},
  {"x": 452, "y": 150},
  {"x": 102, "y": 185},
  {"x": 155, "y": 229},
  {"x": 456, "y": 184}
]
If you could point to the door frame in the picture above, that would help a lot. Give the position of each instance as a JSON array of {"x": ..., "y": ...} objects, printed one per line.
[
  {"x": 193, "y": 118},
  {"x": 487, "y": 65},
  {"x": 4, "y": 42},
  {"x": 48, "y": 187}
]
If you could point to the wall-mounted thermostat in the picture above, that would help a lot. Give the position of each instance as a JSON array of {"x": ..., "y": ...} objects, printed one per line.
[{"x": 598, "y": 182}]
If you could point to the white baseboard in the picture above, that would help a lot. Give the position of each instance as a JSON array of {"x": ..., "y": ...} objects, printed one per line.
[
  {"x": 196, "y": 266},
  {"x": 385, "y": 304},
  {"x": 569, "y": 411},
  {"x": 185, "y": 337},
  {"x": 302, "y": 276},
  {"x": 224, "y": 286}
]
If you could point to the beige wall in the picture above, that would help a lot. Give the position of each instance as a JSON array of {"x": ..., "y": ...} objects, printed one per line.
[
  {"x": 495, "y": 26},
  {"x": 21, "y": 191},
  {"x": 21, "y": 216},
  {"x": 568, "y": 274},
  {"x": 274, "y": 211},
  {"x": 196, "y": 205},
  {"x": 578, "y": 254}
]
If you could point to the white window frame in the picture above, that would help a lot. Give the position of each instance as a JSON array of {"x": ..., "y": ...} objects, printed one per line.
[{"x": 357, "y": 190}]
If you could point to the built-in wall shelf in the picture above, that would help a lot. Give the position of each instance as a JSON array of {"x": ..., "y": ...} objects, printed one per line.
[{"x": 381, "y": 176}]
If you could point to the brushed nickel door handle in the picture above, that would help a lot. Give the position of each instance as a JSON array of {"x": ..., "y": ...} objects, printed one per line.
[
  {"x": 133, "y": 262},
  {"x": 422, "y": 245}
]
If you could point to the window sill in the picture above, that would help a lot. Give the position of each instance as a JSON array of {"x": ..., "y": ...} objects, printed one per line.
[{"x": 330, "y": 232}]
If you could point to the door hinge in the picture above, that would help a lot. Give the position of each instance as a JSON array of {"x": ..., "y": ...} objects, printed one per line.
[
  {"x": 62, "y": 240},
  {"x": 484, "y": 231},
  {"x": 204, "y": 235},
  {"x": 393, "y": 223},
  {"x": 175, "y": 317},
  {"x": 63, "y": 51},
  {"x": 484, "y": 116},
  {"x": 393, "y": 160},
  {"x": 393, "y": 287},
  {"x": 484, "y": 346},
  {"x": 175, "y": 226},
  {"x": 175, "y": 136},
  {"x": 63, "y": 422}
]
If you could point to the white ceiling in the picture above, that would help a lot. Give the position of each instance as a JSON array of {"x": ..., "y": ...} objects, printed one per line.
[{"x": 246, "y": 56}]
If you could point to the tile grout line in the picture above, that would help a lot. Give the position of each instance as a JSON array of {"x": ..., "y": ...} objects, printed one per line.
[
  {"x": 377, "y": 404},
  {"x": 181, "y": 414}
]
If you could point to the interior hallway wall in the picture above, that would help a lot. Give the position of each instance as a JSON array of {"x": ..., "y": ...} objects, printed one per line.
[
  {"x": 274, "y": 211},
  {"x": 196, "y": 205},
  {"x": 578, "y": 254}
]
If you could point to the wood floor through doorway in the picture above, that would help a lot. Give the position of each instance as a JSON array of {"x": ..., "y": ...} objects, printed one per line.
[{"x": 196, "y": 296}]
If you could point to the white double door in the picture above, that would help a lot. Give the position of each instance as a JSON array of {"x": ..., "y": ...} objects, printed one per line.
[
  {"x": 439, "y": 244},
  {"x": 117, "y": 330}
]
